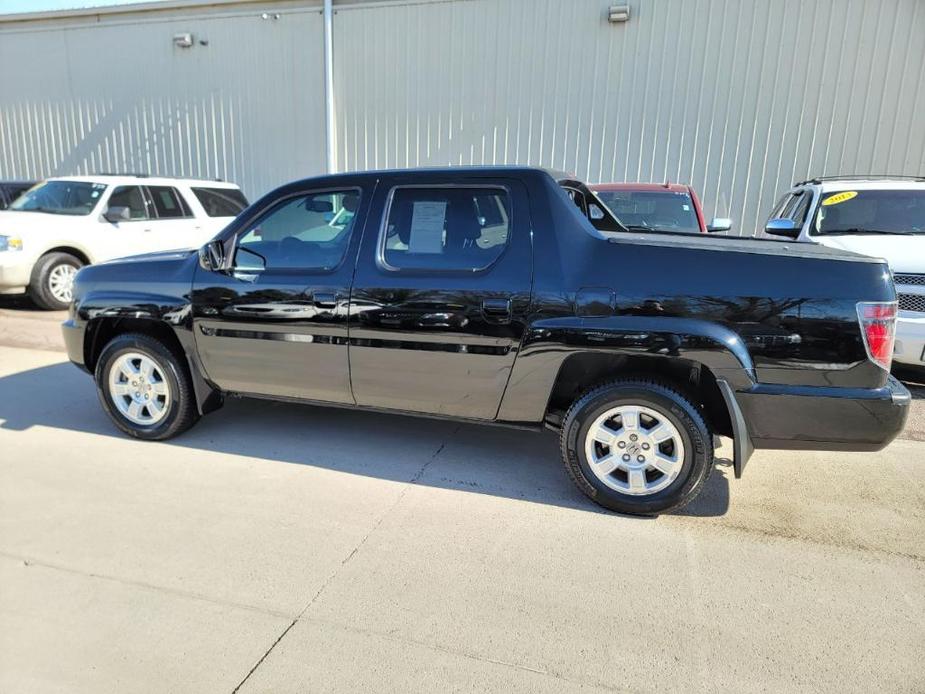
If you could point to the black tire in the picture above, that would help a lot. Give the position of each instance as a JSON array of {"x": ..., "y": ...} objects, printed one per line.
[
  {"x": 697, "y": 463},
  {"x": 39, "y": 283},
  {"x": 181, "y": 404}
]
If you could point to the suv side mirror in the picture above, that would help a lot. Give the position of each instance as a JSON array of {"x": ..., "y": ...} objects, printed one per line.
[
  {"x": 117, "y": 214},
  {"x": 782, "y": 226},
  {"x": 212, "y": 256},
  {"x": 719, "y": 224}
]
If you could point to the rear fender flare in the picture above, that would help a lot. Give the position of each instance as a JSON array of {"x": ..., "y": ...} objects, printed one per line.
[{"x": 550, "y": 342}]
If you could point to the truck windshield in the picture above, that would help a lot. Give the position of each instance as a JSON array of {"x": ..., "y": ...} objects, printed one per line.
[
  {"x": 656, "y": 210},
  {"x": 899, "y": 212},
  {"x": 60, "y": 197}
]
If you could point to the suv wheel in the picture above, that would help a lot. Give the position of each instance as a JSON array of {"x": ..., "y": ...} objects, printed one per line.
[
  {"x": 637, "y": 447},
  {"x": 52, "y": 280},
  {"x": 145, "y": 388}
]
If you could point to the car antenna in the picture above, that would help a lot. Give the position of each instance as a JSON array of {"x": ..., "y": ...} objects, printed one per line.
[{"x": 667, "y": 183}]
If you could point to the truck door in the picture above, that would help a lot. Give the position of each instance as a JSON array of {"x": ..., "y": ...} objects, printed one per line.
[
  {"x": 440, "y": 296},
  {"x": 276, "y": 322}
]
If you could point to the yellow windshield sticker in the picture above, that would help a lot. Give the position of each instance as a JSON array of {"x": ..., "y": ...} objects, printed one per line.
[{"x": 840, "y": 197}]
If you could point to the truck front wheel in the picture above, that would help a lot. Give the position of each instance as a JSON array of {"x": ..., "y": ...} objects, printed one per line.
[
  {"x": 637, "y": 446},
  {"x": 145, "y": 388}
]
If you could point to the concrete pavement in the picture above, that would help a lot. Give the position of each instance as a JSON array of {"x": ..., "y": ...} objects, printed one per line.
[{"x": 279, "y": 548}]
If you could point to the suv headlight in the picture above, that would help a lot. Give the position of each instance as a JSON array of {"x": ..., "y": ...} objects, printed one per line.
[{"x": 10, "y": 243}]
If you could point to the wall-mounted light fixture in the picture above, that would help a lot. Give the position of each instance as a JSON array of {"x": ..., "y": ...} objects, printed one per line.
[
  {"x": 183, "y": 40},
  {"x": 618, "y": 13}
]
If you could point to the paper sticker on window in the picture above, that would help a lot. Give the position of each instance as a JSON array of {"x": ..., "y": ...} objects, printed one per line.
[
  {"x": 686, "y": 208},
  {"x": 840, "y": 197},
  {"x": 427, "y": 220}
]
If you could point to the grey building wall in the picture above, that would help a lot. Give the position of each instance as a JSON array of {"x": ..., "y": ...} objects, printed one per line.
[
  {"x": 737, "y": 97},
  {"x": 110, "y": 92}
]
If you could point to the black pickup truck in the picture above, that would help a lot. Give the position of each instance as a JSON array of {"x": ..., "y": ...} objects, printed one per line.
[{"x": 483, "y": 294}]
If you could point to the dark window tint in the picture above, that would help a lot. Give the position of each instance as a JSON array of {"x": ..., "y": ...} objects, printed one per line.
[
  {"x": 308, "y": 231},
  {"x": 168, "y": 203},
  {"x": 221, "y": 202},
  {"x": 446, "y": 229},
  {"x": 872, "y": 211},
  {"x": 10, "y": 191},
  {"x": 131, "y": 197},
  {"x": 577, "y": 198}
]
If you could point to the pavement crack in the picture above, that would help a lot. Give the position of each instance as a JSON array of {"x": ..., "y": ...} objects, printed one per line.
[
  {"x": 469, "y": 655},
  {"x": 346, "y": 560},
  {"x": 264, "y": 656},
  {"x": 30, "y": 562}
]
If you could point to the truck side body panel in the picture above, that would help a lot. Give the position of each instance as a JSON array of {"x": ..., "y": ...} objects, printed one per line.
[{"x": 775, "y": 322}]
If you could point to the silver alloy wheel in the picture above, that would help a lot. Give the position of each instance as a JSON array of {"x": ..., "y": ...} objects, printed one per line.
[
  {"x": 634, "y": 450},
  {"x": 138, "y": 388},
  {"x": 61, "y": 282}
]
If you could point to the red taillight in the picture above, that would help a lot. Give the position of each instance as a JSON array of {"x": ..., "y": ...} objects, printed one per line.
[{"x": 878, "y": 327}]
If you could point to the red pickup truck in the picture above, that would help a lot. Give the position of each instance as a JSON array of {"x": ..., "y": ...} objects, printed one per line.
[{"x": 657, "y": 207}]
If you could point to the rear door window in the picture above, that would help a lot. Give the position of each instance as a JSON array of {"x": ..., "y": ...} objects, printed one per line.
[
  {"x": 221, "y": 202},
  {"x": 168, "y": 203},
  {"x": 445, "y": 229}
]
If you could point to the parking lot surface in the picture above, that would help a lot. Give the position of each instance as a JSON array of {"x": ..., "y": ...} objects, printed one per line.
[{"x": 278, "y": 548}]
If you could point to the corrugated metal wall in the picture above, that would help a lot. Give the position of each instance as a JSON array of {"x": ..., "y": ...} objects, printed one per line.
[
  {"x": 737, "y": 97},
  {"x": 118, "y": 96}
]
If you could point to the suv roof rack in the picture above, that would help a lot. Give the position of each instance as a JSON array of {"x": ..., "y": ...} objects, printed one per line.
[
  {"x": 135, "y": 174},
  {"x": 858, "y": 177},
  {"x": 121, "y": 173}
]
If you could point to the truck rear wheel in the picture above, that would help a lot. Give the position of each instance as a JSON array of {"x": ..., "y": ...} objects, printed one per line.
[
  {"x": 52, "y": 280},
  {"x": 637, "y": 446},
  {"x": 145, "y": 388}
]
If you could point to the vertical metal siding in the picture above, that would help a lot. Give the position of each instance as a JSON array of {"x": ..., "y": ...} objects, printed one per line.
[
  {"x": 737, "y": 98},
  {"x": 118, "y": 96}
]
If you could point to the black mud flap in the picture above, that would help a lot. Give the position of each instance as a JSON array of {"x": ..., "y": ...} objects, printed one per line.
[{"x": 742, "y": 447}]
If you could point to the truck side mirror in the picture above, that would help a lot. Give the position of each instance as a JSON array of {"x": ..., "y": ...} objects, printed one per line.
[
  {"x": 783, "y": 226},
  {"x": 117, "y": 213},
  {"x": 718, "y": 224}
]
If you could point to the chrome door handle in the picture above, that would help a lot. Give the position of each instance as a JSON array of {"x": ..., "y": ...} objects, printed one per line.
[
  {"x": 497, "y": 309},
  {"x": 324, "y": 299}
]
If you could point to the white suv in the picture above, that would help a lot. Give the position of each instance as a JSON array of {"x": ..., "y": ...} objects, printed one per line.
[
  {"x": 876, "y": 216},
  {"x": 61, "y": 224}
]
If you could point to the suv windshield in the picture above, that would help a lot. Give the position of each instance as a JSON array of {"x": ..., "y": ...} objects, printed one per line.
[
  {"x": 871, "y": 212},
  {"x": 60, "y": 197},
  {"x": 656, "y": 210}
]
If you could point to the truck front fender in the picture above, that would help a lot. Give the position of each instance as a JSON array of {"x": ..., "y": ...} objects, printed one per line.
[{"x": 102, "y": 314}]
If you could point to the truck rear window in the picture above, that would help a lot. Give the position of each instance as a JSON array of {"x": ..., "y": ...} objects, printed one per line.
[{"x": 221, "y": 202}]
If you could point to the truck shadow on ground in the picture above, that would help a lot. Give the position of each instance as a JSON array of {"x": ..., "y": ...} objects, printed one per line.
[{"x": 490, "y": 460}]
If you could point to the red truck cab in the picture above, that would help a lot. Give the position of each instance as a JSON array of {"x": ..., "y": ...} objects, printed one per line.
[{"x": 657, "y": 207}]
